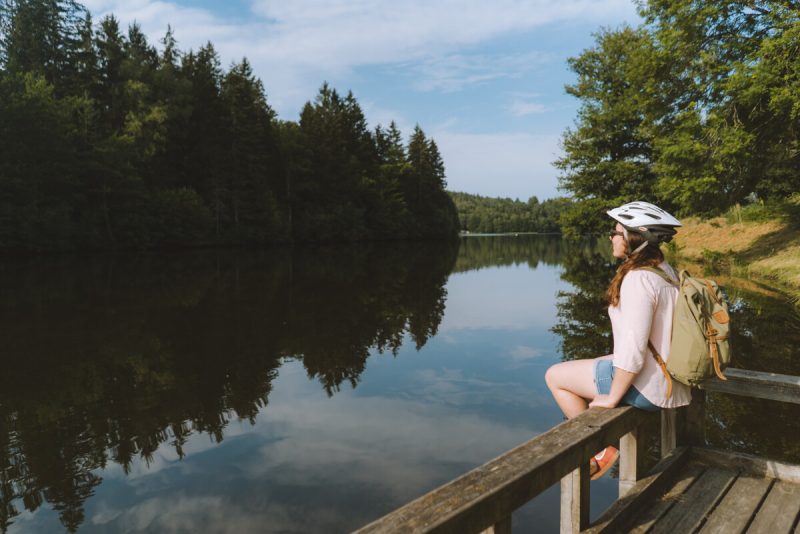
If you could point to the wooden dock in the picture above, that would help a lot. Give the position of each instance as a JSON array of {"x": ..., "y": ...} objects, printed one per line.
[{"x": 692, "y": 489}]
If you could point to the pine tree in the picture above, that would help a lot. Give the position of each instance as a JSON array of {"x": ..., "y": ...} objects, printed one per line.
[{"x": 252, "y": 154}]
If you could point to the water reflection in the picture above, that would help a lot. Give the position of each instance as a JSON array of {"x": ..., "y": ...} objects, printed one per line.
[
  {"x": 107, "y": 359},
  {"x": 113, "y": 367}
]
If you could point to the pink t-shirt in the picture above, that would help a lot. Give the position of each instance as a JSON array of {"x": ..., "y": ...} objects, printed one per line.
[{"x": 646, "y": 302}]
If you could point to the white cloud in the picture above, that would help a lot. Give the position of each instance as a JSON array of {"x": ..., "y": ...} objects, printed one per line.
[
  {"x": 521, "y": 107},
  {"x": 294, "y": 46},
  {"x": 487, "y": 163},
  {"x": 452, "y": 72}
]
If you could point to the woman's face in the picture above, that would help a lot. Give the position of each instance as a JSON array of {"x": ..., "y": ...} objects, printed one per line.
[{"x": 618, "y": 247}]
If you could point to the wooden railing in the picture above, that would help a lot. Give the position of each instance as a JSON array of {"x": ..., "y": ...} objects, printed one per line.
[{"x": 484, "y": 499}]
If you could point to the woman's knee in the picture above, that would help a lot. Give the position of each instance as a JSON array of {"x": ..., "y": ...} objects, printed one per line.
[
  {"x": 552, "y": 375},
  {"x": 574, "y": 376}
]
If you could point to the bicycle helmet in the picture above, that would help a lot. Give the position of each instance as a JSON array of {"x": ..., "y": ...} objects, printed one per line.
[{"x": 656, "y": 225}]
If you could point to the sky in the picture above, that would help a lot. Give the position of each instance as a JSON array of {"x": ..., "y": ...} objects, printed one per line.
[{"x": 484, "y": 79}]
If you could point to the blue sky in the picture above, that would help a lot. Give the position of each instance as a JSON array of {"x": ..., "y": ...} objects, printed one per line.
[{"x": 484, "y": 79}]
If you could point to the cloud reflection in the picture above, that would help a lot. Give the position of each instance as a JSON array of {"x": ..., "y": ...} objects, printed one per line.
[{"x": 304, "y": 444}]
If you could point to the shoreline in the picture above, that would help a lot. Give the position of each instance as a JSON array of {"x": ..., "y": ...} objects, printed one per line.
[{"x": 765, "y": 252}]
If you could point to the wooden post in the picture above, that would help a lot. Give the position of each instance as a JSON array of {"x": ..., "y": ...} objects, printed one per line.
[
  {"x": 669, "y": 430},
  {"x": 575, "y": 500},
  {"x": 503, "y": 527},
  {"x": 631, "y": 459},
  {"x": 694, "y": 426}
]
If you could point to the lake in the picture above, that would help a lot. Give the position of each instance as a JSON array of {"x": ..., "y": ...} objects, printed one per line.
[{"x": 312, "y": 389}]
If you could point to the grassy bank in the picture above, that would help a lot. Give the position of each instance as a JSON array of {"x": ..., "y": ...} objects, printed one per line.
[{"x": 763, "y": 249}]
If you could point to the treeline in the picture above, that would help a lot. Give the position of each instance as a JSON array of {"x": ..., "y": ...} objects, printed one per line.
[
  {"x": 697, "y": 109},
  {"x": 497, "y": 215},
  {"x": 108, "y": 142}
]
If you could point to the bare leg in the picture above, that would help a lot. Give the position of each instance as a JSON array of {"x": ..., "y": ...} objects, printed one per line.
[{"x": 572, "y": 385}]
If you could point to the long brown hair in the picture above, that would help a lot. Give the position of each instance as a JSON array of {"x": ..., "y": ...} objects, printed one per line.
[{"x": 649, "y": 256}]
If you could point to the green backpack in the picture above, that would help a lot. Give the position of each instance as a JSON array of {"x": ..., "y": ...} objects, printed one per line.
[{"x": 700, "y": 326}]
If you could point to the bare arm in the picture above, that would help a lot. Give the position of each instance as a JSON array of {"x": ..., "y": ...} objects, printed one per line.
[{"x": 619, "y": 385}]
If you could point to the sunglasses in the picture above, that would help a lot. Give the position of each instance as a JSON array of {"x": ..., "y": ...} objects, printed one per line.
[{"x": 613, "y": 233}]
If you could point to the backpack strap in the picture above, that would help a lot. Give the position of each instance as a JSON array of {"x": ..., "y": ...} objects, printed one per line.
[
  {"x": 713, "y": 336},
  {"x": 663, "y": 367},
  {"x": 659, "y": 360},
  {"x": 660, "y": 272}
]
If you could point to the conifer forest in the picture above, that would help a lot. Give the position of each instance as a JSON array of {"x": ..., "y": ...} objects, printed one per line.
[{"x": 109, "y": 142}]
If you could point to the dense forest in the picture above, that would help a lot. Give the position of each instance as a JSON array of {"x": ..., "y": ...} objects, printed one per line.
[
  {"x": 109, "y": 142},
  {"x": 696, "y": 109},
  {"x": 497, "y": 215}
]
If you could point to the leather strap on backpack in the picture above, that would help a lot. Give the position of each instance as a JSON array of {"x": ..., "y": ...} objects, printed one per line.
[
  {"x": 713, "y": 337},
  {"x": 662, "y": 365}
]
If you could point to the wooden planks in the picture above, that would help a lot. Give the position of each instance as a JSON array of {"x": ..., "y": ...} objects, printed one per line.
[
  {"x": 701, "y": 496},
  {"x": 736, "y": 509},
  {"x": 780, "y": 509},
  {"x": 756, "y": 384},
  {"x": 666, "y": 502},
  {"x": 715, "y": 492},
  {"x": 747, "y": 463},
  {"x": 620, "y": 514}
]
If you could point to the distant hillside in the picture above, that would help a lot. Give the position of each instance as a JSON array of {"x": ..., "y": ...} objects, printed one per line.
[{"x": 497, "y": 215}]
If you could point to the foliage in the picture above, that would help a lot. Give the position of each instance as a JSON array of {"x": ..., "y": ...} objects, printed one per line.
[
  {"x": 498, "y": 215},
  {"x": 696, "y": 109},
  {"x": 107, "y": 143}
]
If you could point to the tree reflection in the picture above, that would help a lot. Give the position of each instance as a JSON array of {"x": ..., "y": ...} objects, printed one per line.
[
  {"x": 478, "y": 252},
  {"x": 110, "y": 358},
  {"x": 582, "y": 319}
]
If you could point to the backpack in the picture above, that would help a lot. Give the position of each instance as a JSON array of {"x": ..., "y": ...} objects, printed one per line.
[{"x": 700, "y": 327}]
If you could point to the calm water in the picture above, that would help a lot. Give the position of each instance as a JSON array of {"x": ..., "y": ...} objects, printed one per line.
[{"x": 310, "y": 390}]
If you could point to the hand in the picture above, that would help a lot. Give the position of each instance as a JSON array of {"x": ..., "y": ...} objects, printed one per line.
[{"x": 603, "y": 401}]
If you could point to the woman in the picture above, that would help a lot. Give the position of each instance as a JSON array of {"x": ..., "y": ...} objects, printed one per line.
[{"x": 640, "y": 307}]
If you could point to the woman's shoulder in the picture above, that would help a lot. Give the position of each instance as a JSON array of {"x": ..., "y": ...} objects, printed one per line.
[{"x": 649, "y": 279}]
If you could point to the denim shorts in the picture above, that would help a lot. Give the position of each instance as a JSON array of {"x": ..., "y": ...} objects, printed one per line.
[{"x": 604, "y": 373}]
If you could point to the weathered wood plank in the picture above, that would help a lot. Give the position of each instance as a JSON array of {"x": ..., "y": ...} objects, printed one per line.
[
  {"x": 575, "y": 500},
  {"x": 700, "y": 499},
  {"x": 632, "y": 448},
  {"x": 736, "y": 509},
  {"x": 753, "y": 465},
  {"x": 693, "y": 431},
  {"x": 757, "y": 384},
  {"x": 661, "y": 477},
  {"x": 779, "y": 511},
  {"x": 685, "y": 478},
  {"x": 669, "y": 430},
  {"x": 491, "y": 492}
]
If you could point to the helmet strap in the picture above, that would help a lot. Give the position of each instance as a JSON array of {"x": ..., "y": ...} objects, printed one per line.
[{"x": 628, "y": 244}]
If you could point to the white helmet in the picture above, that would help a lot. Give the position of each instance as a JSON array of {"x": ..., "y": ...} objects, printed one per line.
[{"x": 656, "y": 225}]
